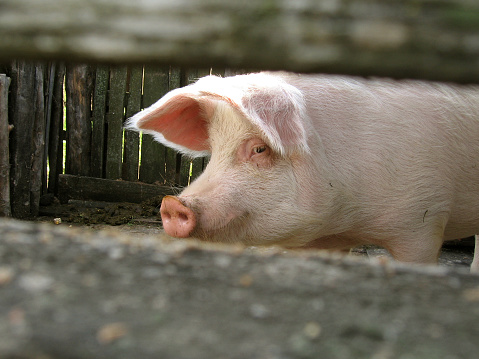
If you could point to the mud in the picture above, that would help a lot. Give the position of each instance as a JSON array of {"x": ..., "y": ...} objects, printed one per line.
[{"x": 113, "y": 214}]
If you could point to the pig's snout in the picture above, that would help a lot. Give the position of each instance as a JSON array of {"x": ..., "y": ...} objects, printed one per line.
[{"x": 178, "y": 220}]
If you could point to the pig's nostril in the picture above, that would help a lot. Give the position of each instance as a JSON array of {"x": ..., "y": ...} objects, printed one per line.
[{"x": 178, "y": 220}]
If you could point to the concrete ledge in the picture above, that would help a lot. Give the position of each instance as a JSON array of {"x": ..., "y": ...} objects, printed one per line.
[{"x": 77, "y": 293}]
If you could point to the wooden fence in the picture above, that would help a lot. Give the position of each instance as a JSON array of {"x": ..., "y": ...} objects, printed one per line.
[
  {"x": 73, "y": 134},
  {"x": 98, "y": 101}
]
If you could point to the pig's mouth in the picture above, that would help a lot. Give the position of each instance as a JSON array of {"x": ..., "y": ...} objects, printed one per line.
[
  {"x": 225, "y": 229},
  {"x": 182, "y": 220}
]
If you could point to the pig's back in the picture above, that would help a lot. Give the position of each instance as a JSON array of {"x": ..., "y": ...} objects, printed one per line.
[{"x": 401, "y": 143}]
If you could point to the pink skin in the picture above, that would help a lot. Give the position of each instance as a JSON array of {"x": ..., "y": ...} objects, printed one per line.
[
  {"x": 180, "y": 221},
  {"x": 324, "y": 161}
]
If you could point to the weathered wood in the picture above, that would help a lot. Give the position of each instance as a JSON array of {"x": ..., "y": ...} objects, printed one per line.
[
  {"x": 184, "y": 176},
  {"x": 431, "y": 39},
  {"x": 115, "y": 118},
  {"x": 102, "y": 76},
  {"x": 152, "y": 167},
  {"x": 98, "y": 189},
  {"x": 21, "y": 116},
  {"x": 131, "y": 152},
  {"x": 5, "y": 210},
  {"x": 49, "y": 89},
  {"x": 78, "y": 92},
  {"x": 55, "y": 148},
  {"x": 198, "y": 165},
  {"x": 76, "y": 293},
  {"x": 38, "y": 145}
]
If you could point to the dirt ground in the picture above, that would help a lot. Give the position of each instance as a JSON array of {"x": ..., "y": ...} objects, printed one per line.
[{"x": 91, "y": 213}]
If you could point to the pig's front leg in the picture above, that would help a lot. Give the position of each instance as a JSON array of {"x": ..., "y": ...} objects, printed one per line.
[
  {"x": 475, "y": 261},
  {"x": 419, "y": 250}
]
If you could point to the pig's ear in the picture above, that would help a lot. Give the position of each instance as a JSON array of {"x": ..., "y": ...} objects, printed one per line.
[
  {"x": 278, "y": 109},
  {"x": 178, "y": 120}
]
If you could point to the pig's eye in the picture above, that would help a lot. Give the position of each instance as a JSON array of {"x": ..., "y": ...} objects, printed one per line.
[{"x": 259, "y": 149}]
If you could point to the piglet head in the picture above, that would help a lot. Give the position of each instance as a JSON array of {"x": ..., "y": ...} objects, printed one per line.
[{"x": 253, "y": 126}]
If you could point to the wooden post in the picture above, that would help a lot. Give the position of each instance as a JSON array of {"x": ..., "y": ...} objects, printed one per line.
[
  {"x": 38, "y": 138},
  {"x": 152, "y": 167},
  {"x": 78, "y": 89},
  {"x": 115, "y": 117},
  {"x": 22, "y": 114},
  {"x": 131, "y": 151},
  {"x": 98, "y": 117},
  {"x": 4, "y": 150},
  {"x": 55, "y": 148}
]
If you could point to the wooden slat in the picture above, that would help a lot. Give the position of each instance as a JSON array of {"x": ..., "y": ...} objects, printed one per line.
[
  {"x": 55, "y": 149},
  {"x": 38, "y": 138},
  {"x": 184, "y": 175},
  {"x": 4, "y": 148},
  {"x": 99, "y": 189},
  {"x": 152, "y": 167},
  {"x": 23, "y": 112},
  {"x": 115, "y": 118},
  {"x": 131, "y": 153},
  {"x": 102, "y": 76},
  {"x": 197, "y": 168},
  {"x": 78, "y": 92}
]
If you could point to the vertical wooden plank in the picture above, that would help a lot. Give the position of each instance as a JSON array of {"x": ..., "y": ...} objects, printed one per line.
[
  {"x": 131, "y": 151},
  {"x": 5, "y": 210},
  {"x": 197, "y": 167},
  {"x": 21, "y": 115},
  {"x": 152, "y": 168},
  {"x": 78, "y": 92},
  {"x": 184, "y": 178},
  {"x": 102, "y": 76},
  {"x": 55, "y": 149},
  {"x": 49, "y": 85},
  {"x": 115, "y": 118},
  {"x": 38, "y": 145}
]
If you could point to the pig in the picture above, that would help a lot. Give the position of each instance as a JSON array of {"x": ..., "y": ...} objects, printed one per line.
[{"x": 323, "y": 161}]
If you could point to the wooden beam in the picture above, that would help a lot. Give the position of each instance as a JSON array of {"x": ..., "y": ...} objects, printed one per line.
[
  {"x": 431, "y": 39},
  {"x": 98, "y": 189}
]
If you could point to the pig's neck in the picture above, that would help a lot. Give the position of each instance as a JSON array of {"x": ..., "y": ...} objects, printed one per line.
[{"x": 322, "y": 192}]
